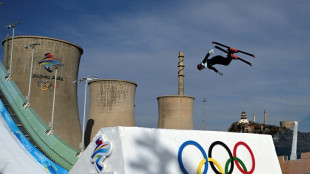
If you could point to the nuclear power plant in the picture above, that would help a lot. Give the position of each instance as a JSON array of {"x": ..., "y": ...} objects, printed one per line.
[
  {"x": 112, "y": 103},
  {"x": 66, "y": 122},
  {"x": 176, "y": 111}
]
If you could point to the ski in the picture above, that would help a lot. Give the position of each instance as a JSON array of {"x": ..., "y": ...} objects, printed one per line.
[
  {"x": 245, "y": 61},
  {"x": 233, "y": 50},
  {"x": 232, "y": 55}
]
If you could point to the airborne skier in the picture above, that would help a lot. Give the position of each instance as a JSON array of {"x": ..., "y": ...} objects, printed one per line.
[
  {"x": 220, "y": 59},
  {"x": 214, "y": 60}
]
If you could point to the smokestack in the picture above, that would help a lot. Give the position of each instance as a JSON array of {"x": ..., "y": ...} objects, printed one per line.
[
  {"x": 253, "y": 117},
  {"x": 111, "y": 104},
  {"x": 66, "y": 121},
  {"x": 265, "y": 117},
  {"x": 181, "y": 73},
  {"x": 176, "y": 111}
]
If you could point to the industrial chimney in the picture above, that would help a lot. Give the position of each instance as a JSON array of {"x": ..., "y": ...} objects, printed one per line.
[
  {"x": 111, "y": 104},
  {"x": 176, "y": 111},
  {"x": 66, "y": 121},
  {"x": 265, "y": 117}
]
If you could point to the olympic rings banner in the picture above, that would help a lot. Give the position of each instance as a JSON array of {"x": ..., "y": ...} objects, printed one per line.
[
  {"x": 139, "y": 150},
  {"x": 233, "y": 159}
]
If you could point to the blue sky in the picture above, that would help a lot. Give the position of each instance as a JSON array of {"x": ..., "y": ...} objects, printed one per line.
[{"x": 139, "y": 41}]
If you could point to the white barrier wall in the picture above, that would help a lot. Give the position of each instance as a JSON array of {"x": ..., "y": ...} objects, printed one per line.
[{"x": 133, "y": 150}]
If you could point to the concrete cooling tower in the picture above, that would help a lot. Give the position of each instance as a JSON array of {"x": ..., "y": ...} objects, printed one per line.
[
  {"x": 66, "y": 118},
  {"x": 287, "y": 124},
  {"x": 111, "y": 104},
  {"x": 176, "y": 111}
]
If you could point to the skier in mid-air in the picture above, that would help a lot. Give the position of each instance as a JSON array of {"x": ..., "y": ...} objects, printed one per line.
[
  {"x": 220, "y": 59},
  {"x": 214, "y": 60}
]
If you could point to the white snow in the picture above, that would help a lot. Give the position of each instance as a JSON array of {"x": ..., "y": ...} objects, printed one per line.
[{"x": 14, "y": 158}]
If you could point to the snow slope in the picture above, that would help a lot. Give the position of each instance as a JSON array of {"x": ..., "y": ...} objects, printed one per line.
[{"x": 14, "y": 158}]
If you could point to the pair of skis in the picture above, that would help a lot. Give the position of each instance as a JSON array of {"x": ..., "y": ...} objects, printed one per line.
[{"x": 230, "y": 51}]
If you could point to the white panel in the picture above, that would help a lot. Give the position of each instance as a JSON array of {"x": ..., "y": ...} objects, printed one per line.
[{"x": 146, "y": 150}]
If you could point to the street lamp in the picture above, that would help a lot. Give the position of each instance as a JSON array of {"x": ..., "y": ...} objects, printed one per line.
[
  {"x": 27, "y": 104},
  {"x": 84, "y": 115},
  {"x": 8, "y": 27},
  {"x": 51, "y": 131}
]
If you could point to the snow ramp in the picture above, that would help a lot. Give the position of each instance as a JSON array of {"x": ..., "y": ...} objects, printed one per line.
[{"x": 55, "y": 155}]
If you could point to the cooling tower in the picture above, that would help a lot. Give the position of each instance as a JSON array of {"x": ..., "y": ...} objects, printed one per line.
[
  {"x": 66, "y": 118},
  {"x": 111, "y": 104},
  {"x": 176, "y": 111},
  {"x": 287, "y": 124}
]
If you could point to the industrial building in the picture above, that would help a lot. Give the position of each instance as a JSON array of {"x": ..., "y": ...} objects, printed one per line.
[
  {"x": 111, "y": 104},
  {"x": 66, "y": 122},
  {"x": 176, "y": 111}
]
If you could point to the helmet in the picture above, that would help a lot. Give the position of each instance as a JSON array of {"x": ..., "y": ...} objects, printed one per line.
[{"x": 200, "y": 67}]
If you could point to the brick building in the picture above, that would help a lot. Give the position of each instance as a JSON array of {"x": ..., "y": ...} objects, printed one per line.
[{"x": 299, "y": 166}]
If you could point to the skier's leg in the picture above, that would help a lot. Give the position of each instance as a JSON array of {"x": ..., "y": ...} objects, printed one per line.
[
  {"x": 219, "y": 60},
  {"x": 226, "y": 61}
]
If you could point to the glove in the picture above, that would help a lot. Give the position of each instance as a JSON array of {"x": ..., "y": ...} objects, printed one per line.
[{"x": 211, "y": 51}]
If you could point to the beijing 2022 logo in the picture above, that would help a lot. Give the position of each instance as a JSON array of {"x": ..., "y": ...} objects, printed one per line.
[
  {"x": 218, "y": 169},
  {"x": 101, "y": 152}
]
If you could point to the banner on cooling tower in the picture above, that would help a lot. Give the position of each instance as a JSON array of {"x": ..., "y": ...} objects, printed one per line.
[{"x": 145, "y": 150}]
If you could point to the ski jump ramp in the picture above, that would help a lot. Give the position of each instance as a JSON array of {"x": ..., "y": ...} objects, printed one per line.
[
  {"x": 27, "y": 127},
  {"x": 13, "y": 156},
  {"x": 134, "y": 150}
]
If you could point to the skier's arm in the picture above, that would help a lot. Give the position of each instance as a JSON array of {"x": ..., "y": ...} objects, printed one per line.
[
  {"x": 207, "y": 55},
  {"x": 214, "y": 69},
  {"x": 206, "y": 58}
]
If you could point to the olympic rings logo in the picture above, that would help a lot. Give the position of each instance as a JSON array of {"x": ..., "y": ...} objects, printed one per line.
[
  {"x": 233, "y": 158},
  {"x": 46, "y": 85}
]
